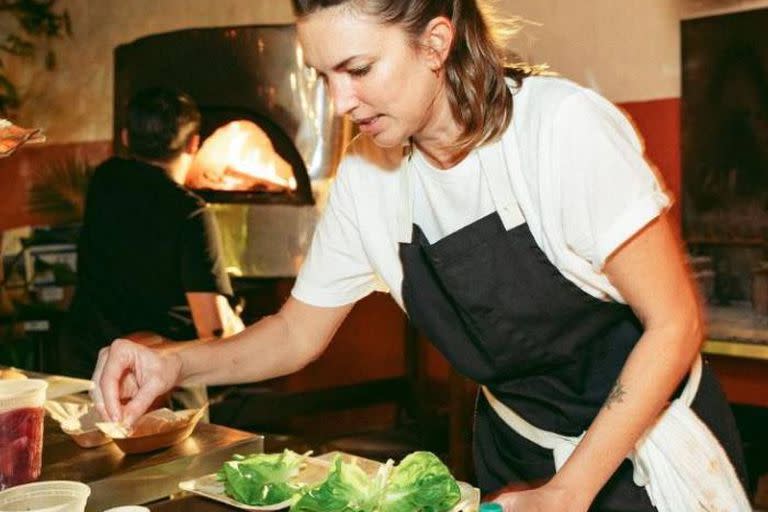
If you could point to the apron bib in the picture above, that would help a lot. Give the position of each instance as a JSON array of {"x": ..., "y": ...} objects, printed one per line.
[{"x": 503, "y": 315}]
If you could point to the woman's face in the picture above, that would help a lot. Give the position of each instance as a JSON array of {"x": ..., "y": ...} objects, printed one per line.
[{"x": 373, "y": 71}]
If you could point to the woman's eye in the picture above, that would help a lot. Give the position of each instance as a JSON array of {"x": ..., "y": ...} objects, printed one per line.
[{"x": 362, "y": 71}]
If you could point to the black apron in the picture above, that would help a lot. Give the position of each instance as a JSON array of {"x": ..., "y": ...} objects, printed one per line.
[{"x": 504, "y": 316}]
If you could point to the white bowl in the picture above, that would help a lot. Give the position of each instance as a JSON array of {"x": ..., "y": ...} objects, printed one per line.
[{"x": 50, "y": 496}]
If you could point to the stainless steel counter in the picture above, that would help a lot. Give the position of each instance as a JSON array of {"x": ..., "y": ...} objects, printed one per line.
[
  {"x": 117, "y": 479},
  {"x": 161, "y": 481}
]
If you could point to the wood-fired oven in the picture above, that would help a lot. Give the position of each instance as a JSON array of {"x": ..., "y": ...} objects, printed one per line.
[{"x": 270, "y": 141}]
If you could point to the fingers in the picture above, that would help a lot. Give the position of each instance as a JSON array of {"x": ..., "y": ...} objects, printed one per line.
[
  {"x": 508, "y": 502},
  {"x": 129, "y": 387},
  {"x": 96, "y": 396},
  {"x": 127, "y": 370},
  {"x": 118, "y": 360},
  {"x": 141, "y": 401},
  {"x": 507, "y": 505}
]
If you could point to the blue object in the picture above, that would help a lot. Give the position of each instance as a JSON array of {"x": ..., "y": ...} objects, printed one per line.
[{"x": 491, "y": 507}]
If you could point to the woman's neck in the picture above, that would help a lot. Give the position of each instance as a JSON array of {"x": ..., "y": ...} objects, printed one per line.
[{"x": 437, "y": 138}]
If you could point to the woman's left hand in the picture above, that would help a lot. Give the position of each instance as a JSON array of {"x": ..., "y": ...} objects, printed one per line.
[{"x": 543, "y": 499}]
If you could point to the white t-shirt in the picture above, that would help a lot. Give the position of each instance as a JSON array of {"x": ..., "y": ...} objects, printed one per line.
[
  {"x": 444, "y": 201},
  {"x": 576, "y": 169}
]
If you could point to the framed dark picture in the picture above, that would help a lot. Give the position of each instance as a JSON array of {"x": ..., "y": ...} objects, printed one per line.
[{"x": 725, "y": 146}]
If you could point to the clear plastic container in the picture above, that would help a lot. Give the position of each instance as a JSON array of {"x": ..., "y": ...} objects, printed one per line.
[
  {"x": 52, "y": 496},
  {"x": 21, "y": 430}
]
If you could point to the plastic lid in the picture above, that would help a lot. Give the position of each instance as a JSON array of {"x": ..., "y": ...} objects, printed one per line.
[
  {"x": 51, "y": 496},
  {"x": 491, "y": 507},
  {"x": 15, "y": 394}
]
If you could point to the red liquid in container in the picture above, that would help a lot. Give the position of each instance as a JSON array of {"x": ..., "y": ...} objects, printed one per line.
[{"x": 21, "y": 445}]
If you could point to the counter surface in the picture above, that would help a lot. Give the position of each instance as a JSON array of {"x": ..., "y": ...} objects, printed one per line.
[{"x": 118, "y": 479}]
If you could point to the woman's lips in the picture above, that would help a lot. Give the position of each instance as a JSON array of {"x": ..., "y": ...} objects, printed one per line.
[{"x": 369, "y": 124}]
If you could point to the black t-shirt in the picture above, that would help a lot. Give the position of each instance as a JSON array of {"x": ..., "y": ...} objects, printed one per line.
[{"x": 145, "y": 242}]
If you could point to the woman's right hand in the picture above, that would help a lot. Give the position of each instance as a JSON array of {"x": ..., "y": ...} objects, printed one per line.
[{"x": 132, "y": 374}]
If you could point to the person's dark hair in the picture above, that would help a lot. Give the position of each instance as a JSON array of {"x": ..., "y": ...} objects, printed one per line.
[
  {"x": 160, "y": 123},
  {"x": 475, "y": 69}
]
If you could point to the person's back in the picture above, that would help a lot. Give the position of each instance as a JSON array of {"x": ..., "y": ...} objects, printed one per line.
[
  {"x": 139, "y": 249},
  {"x": 148, "y": 249}
]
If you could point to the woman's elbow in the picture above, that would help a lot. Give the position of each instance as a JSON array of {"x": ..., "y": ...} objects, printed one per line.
[{"x": 687, "y": 328}]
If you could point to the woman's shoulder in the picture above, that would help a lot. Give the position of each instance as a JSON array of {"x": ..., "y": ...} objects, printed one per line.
[
  {"x": 544, "y": 94},
  {"x": 550, "y": 102}
]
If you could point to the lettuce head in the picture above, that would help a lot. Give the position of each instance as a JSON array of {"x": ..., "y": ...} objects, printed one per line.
[
  {"x": 262, "y": 479},
  {"x": 347, "y": 489},
  {"x": 420, "y": 483}
]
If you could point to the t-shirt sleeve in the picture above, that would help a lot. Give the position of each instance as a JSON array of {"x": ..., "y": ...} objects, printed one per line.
[
  {"x": 202, "y": 265},
  {"x": 608, "y": 190},
  {"x": 336, "y": 270}
]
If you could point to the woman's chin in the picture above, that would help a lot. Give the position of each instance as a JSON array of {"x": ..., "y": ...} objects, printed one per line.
[{"x": 388, "y": 140}]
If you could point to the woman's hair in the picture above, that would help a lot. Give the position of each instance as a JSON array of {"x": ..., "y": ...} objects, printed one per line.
[{"x": 475, "y": 69}]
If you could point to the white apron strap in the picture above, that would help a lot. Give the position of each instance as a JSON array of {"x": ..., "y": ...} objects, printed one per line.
[
  {"x": 552, "y": 440},
  {"x": 562, "y": 446},
  {"x": 405, "y": 205},
  {"x": 498, "y": 177}
]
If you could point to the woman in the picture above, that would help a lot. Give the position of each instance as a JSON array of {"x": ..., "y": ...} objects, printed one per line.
[{"x": 516, "y": 223}]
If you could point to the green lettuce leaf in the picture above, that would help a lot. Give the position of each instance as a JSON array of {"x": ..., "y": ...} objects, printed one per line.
[
  {"x": 262, "y": 479},
  {"x": 347, "y": 489},
  {"x": 420, "y": 483}
]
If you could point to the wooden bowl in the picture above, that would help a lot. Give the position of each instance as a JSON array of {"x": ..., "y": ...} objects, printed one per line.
[
  {"x": 152, "y": 442},
  {"x": 77, "y": 418}
]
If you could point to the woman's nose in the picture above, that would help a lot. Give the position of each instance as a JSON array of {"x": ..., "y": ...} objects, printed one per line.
[{"x": 343, "y": 96}]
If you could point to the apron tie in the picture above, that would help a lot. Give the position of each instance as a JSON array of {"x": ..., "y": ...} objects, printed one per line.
[{"x": 678, "y": 461}]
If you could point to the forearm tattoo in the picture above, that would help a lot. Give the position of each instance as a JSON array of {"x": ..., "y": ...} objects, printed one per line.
[{"x": 616, "y": 395}]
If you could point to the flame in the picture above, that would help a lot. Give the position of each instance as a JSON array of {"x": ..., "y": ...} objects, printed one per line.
[
  {"x": 251, "y": 160},
  {"x": 240, "y": 156}
]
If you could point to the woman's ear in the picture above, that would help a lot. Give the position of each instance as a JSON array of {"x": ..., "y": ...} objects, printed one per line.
[{"x": 437, "y": 41}]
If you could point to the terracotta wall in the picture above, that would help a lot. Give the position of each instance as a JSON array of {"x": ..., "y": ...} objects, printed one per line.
[
  {"x": 658, "y": 121},
  {"x": 37, "y": 166}
]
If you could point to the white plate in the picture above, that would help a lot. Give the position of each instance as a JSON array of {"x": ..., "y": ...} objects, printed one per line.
[
  {"x": 315, "y": 471},
  {"x": 210, "y": 487}
]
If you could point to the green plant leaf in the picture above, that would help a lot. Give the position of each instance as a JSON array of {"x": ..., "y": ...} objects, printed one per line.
[
  {"x": 60, "y": 187},
  {"x": 16, "y": 45},
  {"x": 37, "y": 20}
]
